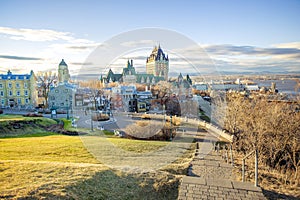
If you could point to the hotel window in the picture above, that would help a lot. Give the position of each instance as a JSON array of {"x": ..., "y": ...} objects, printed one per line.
[
  {"x": 1, "y": 93},
  {"x": 18, "y": 93},
  {"x": 9, "y": 85},
  {"x": 10, "y": 93},
  {"x": 26, "y": 92},
  {"x": 19, "y": 101},
  {"x": 25, "y": 85},
  {"x": 26, "y": 101},
  {"x": 17, "y": 85}
]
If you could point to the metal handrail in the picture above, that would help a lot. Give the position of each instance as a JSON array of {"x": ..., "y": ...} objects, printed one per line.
[{"x": 256, "y": 166}]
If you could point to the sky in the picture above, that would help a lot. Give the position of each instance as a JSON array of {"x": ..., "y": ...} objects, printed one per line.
[{"x": 236, "y": 36}]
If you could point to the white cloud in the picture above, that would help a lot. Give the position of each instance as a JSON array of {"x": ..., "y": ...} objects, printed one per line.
[
  {"x": 53, "y": 46},
  {"x": 295, "y": 45},
  {"x": 139, "y": 43},
  {"x": 36, "y": 35}
]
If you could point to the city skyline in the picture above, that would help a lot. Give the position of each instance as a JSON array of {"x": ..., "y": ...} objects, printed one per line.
[{"x": 238, "y": 36}]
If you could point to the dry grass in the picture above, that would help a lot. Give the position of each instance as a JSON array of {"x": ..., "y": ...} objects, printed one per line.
[
  {"x": 60, "y": 167},
  {"x": 50, "y": 148},
  {"x": 142, "y": 123},
  {"x": 138, "y": 146},
  {"x": 271, "y": 181},
  {"x": 175, "y": 120}
]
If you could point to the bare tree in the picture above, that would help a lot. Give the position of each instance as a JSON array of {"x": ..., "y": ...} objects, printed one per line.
[
  {"x": 162, "y": 89},
  {"x": 234, "y": 111},
  {"x": 271, "y": 127},
  {"x": 96, "y": 88},
  {"x": 45, "y": 81}
]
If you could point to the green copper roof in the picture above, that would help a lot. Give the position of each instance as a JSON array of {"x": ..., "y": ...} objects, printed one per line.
[{"x": 62, "y": 63}]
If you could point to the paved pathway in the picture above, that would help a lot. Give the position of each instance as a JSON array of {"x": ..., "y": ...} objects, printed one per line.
[{"x": 209, "y": 177}]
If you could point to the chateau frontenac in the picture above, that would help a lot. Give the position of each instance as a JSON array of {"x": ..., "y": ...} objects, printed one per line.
[{"x": 157, "y": 69}]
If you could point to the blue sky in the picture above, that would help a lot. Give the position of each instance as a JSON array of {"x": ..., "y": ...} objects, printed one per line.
[{"x": 238, "y": 35}]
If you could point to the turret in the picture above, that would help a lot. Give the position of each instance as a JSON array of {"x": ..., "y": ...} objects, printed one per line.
[{"x": 63, "y": 72}]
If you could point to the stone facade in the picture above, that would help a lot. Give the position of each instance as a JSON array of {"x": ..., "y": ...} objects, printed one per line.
[
  {"x": 61, "y": 96},
  {"x": 158, "y": 63}
]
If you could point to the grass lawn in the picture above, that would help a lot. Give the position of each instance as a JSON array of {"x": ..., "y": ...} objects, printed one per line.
[
  {"x": 26, "y": 126},
  {"x": 5, "y": 117},
  {"x": 60, "y": 167},
  {"x": 138, "y": 146}
]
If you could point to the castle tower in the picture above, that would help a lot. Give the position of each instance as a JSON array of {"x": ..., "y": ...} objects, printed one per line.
[
  {"x": 158, "y": 63},
  {"x": 63, "y": 72}
]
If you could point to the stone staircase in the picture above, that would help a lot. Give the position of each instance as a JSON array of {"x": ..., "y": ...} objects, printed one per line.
[{"x": 209, "y": 177}]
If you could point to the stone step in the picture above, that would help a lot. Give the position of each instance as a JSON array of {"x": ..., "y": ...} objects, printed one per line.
[{"x": 205, "y": 188}]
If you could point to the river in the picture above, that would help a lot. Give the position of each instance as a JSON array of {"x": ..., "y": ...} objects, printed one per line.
[{"x": 284, "y": 86}]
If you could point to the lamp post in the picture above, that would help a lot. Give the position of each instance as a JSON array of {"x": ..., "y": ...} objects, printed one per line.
[
  {"x": 164, "y": 112},
  {"x": 67, "y": 109},
  {"x": 92, "y": 127},
  {"x": 171, "y": 127},
  {"x": 71, "y": 105}
]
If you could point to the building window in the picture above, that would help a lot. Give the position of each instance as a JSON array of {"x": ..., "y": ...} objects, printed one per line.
[
  {"x": 27, "y": 101},
  {"x": 17, "y": 85},
  {"x": 19, "y": 101},
  {"x": 10, "y": 93},
  {"x": 1, "y": 93},
  {"x": 9, "y": 85},
  {"x": 18, "y": 93},
  {"x": 26, "y": 92},
  {"x": 25, "y": 85},
  {"x": 1, "y": 86}
]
